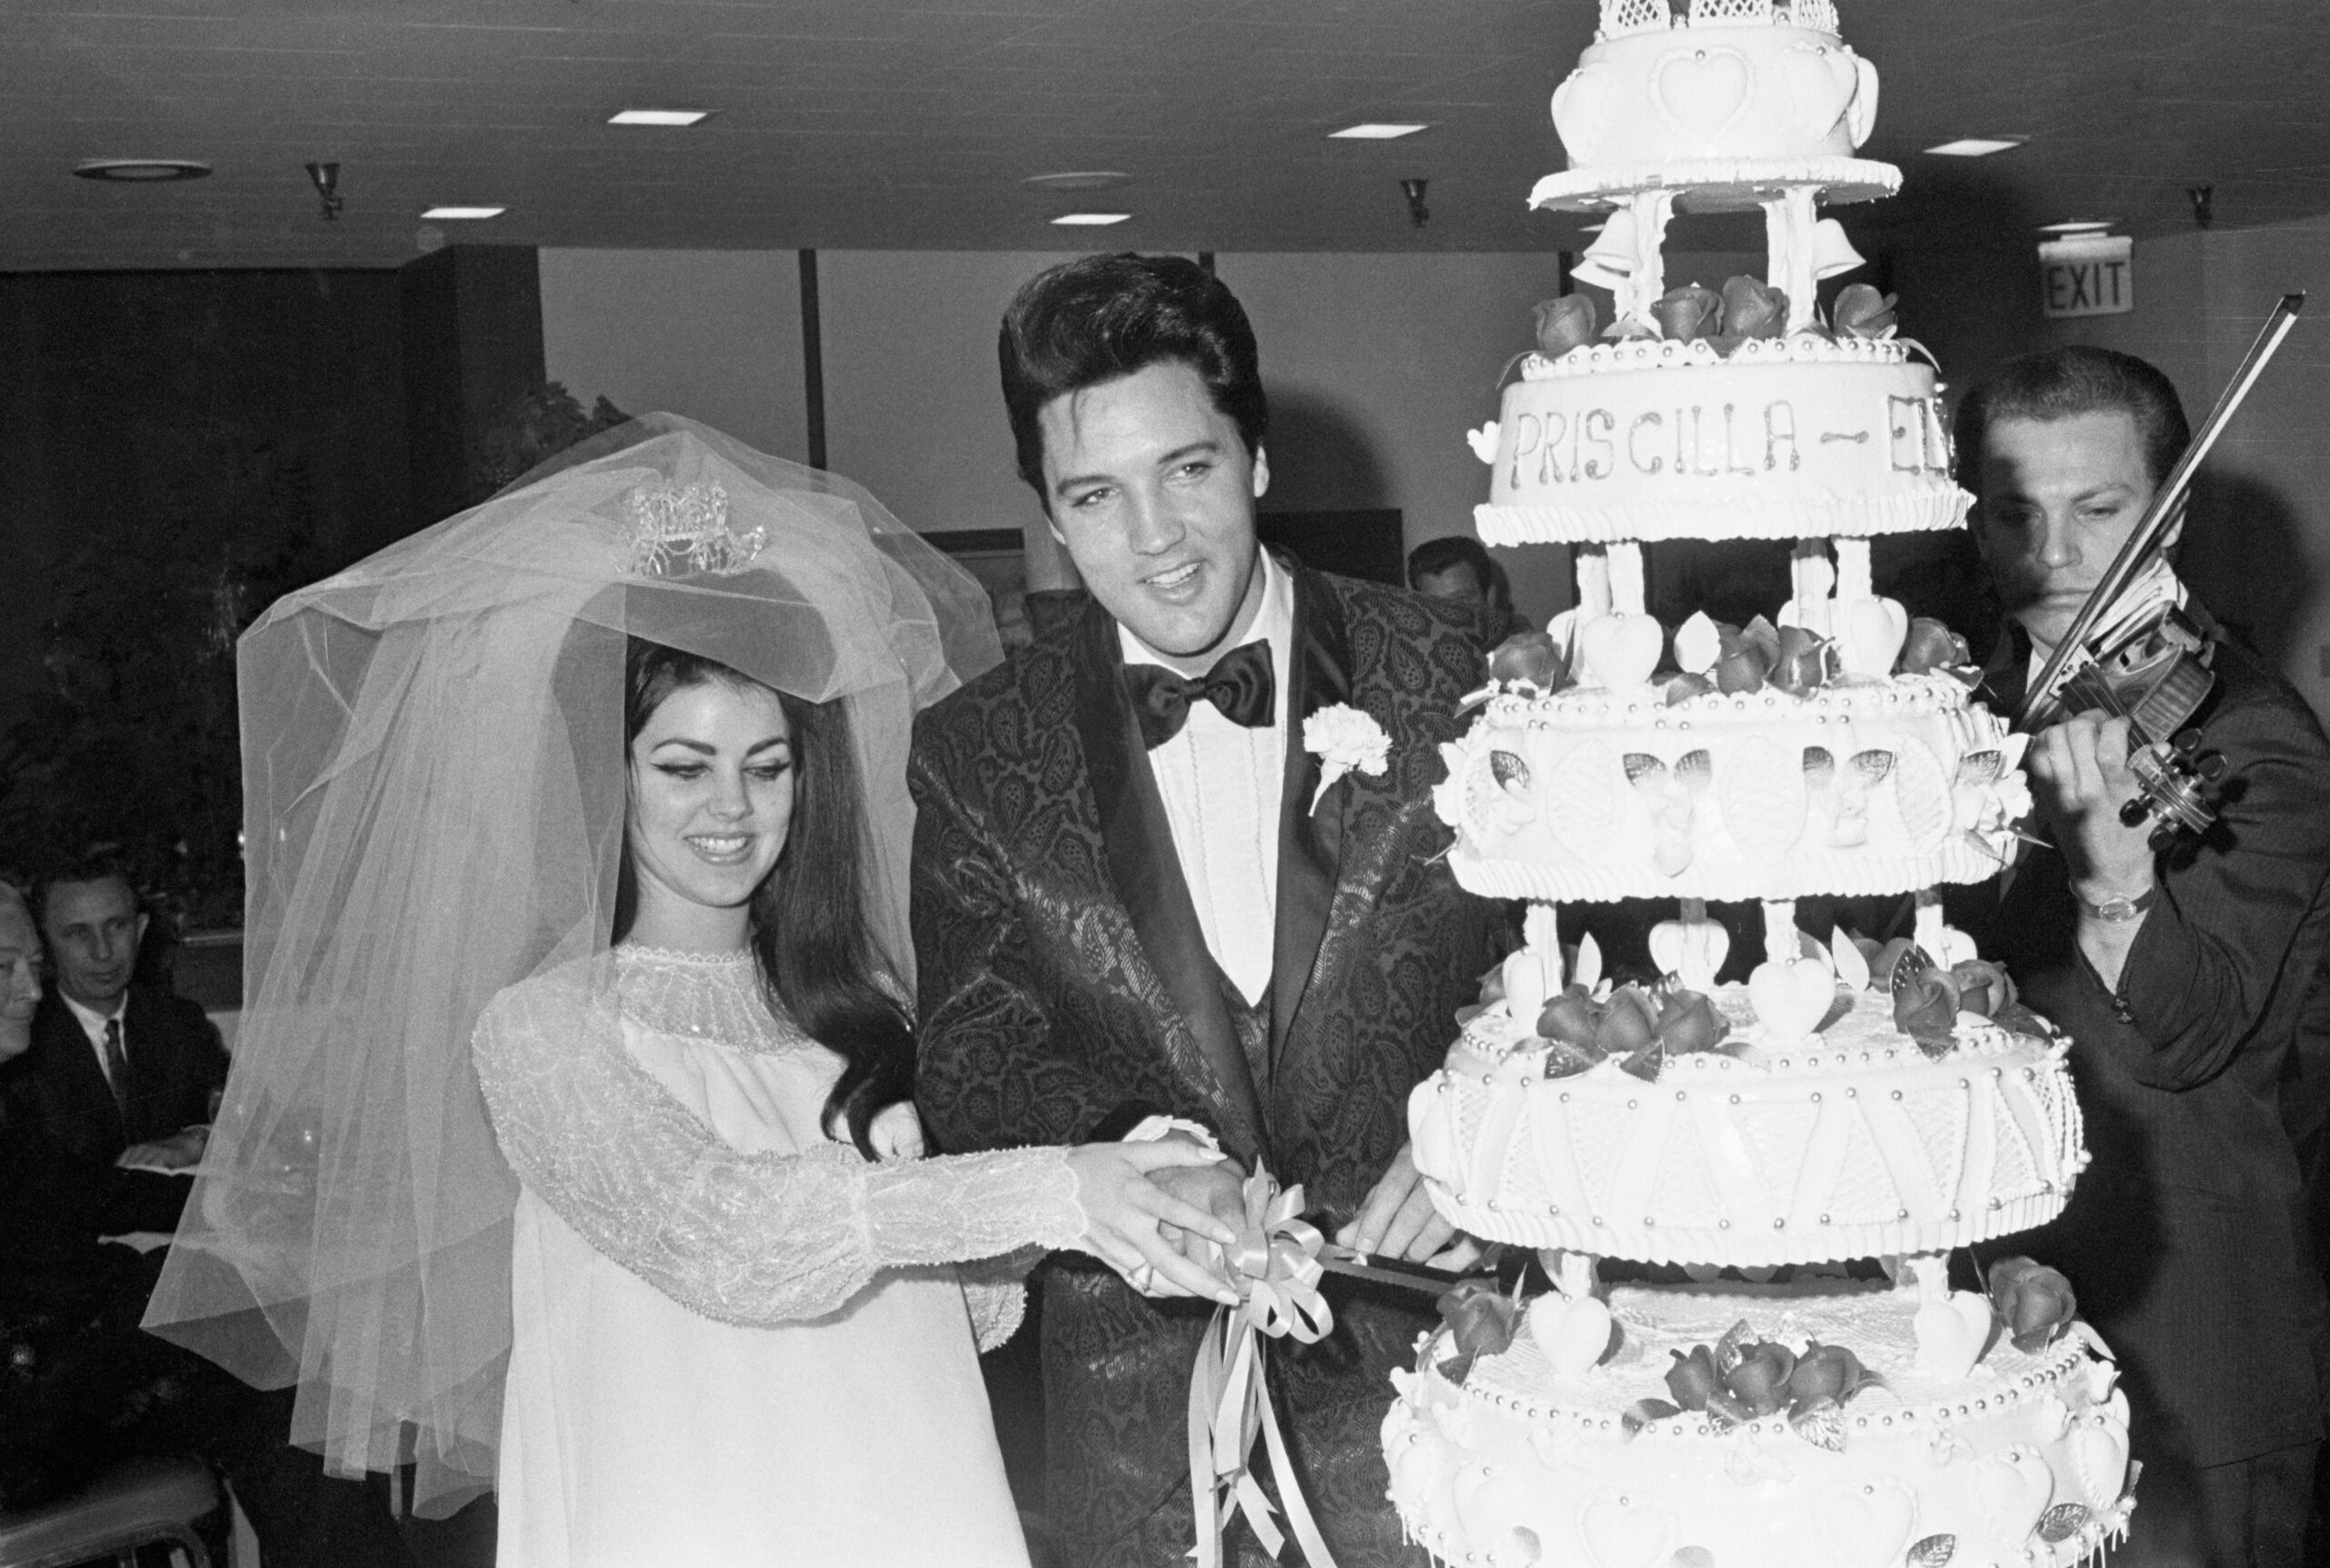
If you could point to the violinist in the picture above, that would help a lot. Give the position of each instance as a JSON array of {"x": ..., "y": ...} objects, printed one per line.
[{"x": 2178, "y": 966}]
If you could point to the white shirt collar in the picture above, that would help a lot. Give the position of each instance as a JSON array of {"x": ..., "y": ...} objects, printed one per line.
[
  {"x": 93, "y": 1023},
  {"x": 1273, "y": 624}
]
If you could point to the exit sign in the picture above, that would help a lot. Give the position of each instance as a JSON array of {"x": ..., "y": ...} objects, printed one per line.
[{"x": 2088, "y": 274}]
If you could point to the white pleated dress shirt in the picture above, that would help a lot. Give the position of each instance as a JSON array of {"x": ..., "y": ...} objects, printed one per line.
[{"x": 1221, "y": 784}]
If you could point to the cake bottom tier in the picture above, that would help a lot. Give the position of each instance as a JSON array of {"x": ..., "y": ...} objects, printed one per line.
[{"x": 2022, "y": 1462}]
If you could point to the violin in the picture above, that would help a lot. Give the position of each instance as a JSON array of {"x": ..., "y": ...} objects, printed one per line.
[{"x": 2131, "y": 653}]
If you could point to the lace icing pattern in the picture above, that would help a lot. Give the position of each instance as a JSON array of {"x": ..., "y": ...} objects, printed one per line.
[{"x": 745, "y": 1238}]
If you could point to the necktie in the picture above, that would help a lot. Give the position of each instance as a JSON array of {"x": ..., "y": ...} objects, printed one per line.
[
  {"x": 1240, "y": 684},
  {"x": 117, "y": 1067}
]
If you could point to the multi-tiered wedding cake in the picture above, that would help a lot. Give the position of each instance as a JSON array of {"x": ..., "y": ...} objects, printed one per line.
[{"x": 1852, "y": 1100}]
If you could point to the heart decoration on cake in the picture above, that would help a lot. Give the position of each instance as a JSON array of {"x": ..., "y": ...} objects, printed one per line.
[
  {"x": 1620, "y": 650},
  {"x": 2099, "y": 1459},
  {"x": 1699, "y": 92},
  {"x": 1493, "y": 1501},
  {"x": 1574, "y": 1335},
  {"x": 1581, "y": 108},
  {"x": 2011, "y": 1491},
  {"x": 1866, "y": 1526},
  {"x": 1693, "y": 950},
  {"x": 1953, "y": 1334},
  {"x": 1791, "y": 998},
  {"x": 1623, "y": 1533},
  {"x": 1819, "y": 82},
  {"x": 1860, "y": 114},
  {"x": 1419, "y": 1461},
  {"x": 1870, "y": 634},
  {"x": 1524, "y": 984},
  {"x": 1432, "y": 1114}
]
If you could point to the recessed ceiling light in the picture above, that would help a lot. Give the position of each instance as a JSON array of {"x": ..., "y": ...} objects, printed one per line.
[
  {"x": 1089, "y": 219},
  {"x": 1978, "y": 147},
  {"x": 1079, "y": 180},
  {"x": 141, "y": 170},
  {"x": 2079, "y": 226},
  {"x": 1374, "y": 131},
  {"x": 462, "y": 212},
  {"x": 658, "y": 117}
]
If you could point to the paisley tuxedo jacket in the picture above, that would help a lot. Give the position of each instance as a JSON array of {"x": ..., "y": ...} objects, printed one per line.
[{"x": 1066, "y": 992}]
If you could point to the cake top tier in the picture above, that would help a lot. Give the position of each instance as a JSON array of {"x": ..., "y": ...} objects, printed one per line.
[
  {"x": 1621, "y": 17},
  {"x": 1724, "y": 106}
]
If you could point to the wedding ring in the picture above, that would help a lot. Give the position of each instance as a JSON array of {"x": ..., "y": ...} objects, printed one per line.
[{"x": 1143, "y": 1279}]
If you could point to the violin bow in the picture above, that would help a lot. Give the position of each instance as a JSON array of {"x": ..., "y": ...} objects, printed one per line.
[{"x": 2065, "y": 661}]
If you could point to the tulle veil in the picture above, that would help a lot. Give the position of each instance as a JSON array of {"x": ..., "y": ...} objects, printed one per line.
[{"x": 433, "y": 779}]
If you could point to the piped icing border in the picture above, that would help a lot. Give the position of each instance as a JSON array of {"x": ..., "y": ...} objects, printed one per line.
[
  {"x": 1926, "y": 503},
  {"x": 1713, "y": 184},
  {"x": 1672, "y": 353}
]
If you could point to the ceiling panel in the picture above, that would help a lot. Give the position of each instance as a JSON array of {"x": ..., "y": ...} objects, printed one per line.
[{"x": 882, "y": 124}]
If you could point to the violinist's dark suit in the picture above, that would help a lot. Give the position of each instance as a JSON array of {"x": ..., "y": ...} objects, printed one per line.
[
  {"x": 1067, "y": 991},
  {"x": 2185, "y": 1238}
]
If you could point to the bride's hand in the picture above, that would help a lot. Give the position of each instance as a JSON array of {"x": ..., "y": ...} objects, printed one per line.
[
  {"x": 1123, "y": 1208},
  {"x": 896, "y": 1132}
]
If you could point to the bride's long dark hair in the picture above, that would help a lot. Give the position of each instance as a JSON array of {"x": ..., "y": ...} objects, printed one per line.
[{"x": 807, "y": 917}]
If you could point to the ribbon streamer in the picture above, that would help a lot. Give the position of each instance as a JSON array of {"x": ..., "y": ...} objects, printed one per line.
[{"x": 1275, "y": 1262}]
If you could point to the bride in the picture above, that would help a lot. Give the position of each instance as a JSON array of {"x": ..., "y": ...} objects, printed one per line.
[{"x": 569, "y": 1145}]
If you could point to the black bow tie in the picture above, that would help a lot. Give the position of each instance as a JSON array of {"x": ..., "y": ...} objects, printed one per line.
[{"x": 1240, "y": 684}]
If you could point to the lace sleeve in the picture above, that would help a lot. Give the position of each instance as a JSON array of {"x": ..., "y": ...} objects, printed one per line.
[
  {"x": 741, "y": 1237},
  {"x": 996, "y": 1290}
]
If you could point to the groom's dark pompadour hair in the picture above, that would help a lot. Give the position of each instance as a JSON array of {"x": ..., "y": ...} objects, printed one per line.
[{"x": 1103, "y": 318}]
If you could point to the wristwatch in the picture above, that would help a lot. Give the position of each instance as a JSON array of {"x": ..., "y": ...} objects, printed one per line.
[{"x": 2120, "y": 911}]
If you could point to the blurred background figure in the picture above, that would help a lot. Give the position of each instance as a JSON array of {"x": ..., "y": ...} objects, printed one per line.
[
  {"x": 117, "y": 1071},
  {"x": 81, "y": 1385},
  {"x": 1456, "y": 566}
]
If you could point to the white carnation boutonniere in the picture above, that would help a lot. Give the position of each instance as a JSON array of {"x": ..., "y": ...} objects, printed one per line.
[{"x": 1344, "y": 740}]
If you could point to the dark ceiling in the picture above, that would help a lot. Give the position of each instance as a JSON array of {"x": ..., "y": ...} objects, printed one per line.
[{"x": 910, "y": 123}]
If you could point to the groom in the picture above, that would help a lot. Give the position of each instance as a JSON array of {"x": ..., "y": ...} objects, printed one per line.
[{"x": 1137, "y": 912}]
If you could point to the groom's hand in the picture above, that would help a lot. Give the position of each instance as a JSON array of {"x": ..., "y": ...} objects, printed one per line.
[
  {"x": 1398, "y": 1220},
  {"x": 1218, "y": 1189}
]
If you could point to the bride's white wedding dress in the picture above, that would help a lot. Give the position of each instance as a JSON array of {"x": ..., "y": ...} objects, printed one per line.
[{"x": 734, "y": 1341}]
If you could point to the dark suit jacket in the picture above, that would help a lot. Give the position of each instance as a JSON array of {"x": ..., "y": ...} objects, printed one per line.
[
  {"x": 2186, "y": 1238},
  {"x": 1067, "y": 991},
  {"x": 175, "y": 1063},
  {"x": 57, "y": 1207}
]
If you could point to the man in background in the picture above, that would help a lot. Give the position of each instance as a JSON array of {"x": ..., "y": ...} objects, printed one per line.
[
  {"x": 1456, "y": 566},
  {"x": 117, "y": 1072},
  {"x": 2178, "y": 970}
]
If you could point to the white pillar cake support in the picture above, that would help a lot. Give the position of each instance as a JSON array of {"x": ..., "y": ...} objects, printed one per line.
[
  {"x": 1692, "y": 948},
  {"x": 1652, "y": 210},
  {"x": 1853, "y": 578},
  {"x": 1792, "y": 260},
  {"x": 1593, "y": 581},
  {"x": 1943, "y": 943},
  {"x": 1624, "y": 566},
  {"x": 1541, "y": 934},
  {"x": 1812, "y": 579},
  {"x": 1781, "y": 943},
  {"x": 1870, "y": 631}
]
